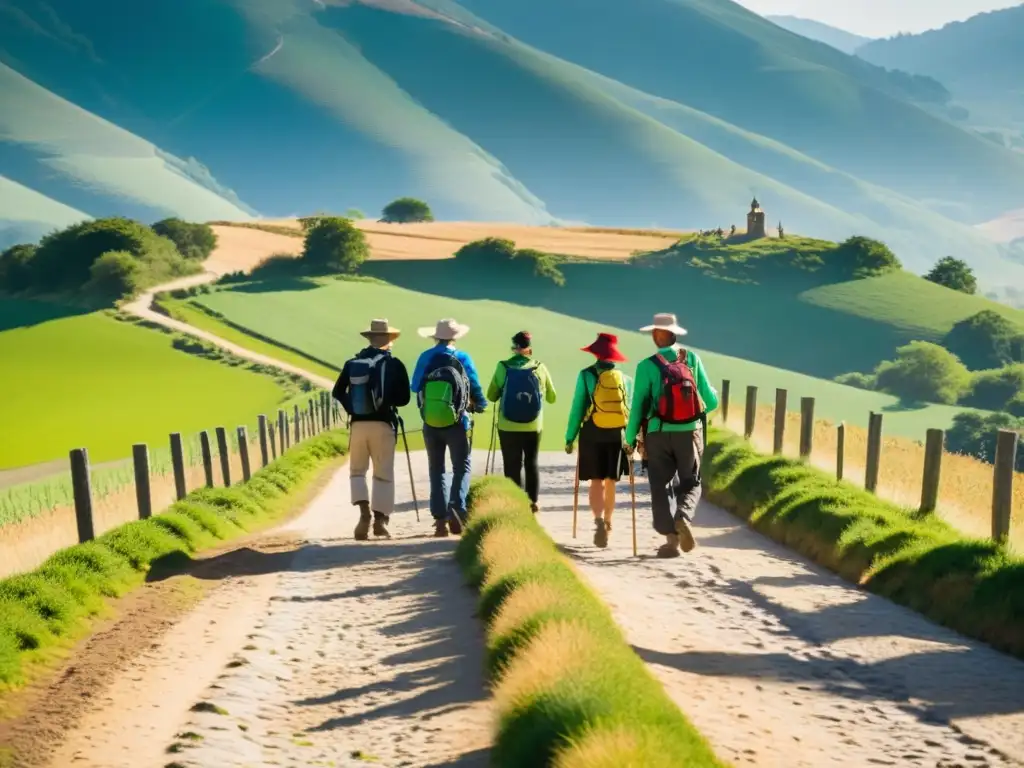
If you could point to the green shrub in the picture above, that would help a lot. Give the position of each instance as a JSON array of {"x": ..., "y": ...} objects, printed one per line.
[
  {"x": 193, "y": 241},
  {"x": 985, "y": 341},
  {"x": 405, "y": 210},
  {"x": 565, "y": 680},
  {"x": 16, "y": 268},
  {"x": 975, "y": 434},
  {"x": 55, "y": 602},
  {"x": 923, "y": 373},
  {"x": 495, "y": 253},
  {"x": 860, "y": 257},
  {"x": 975, "y": 587},
  {"x": 334, "y": 244},
  {"x": 954, "y": 274},
  {"x": 859, "y": 380},
  {"x": 114, "y": 275},
  {"x": 995, "y": 390}
]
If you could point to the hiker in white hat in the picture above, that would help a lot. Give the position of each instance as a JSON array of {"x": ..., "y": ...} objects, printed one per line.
[
  {"x": 447, "y": 390},
  {"x": 671, "y": 399},
  {"x": 372, "y": 386}
]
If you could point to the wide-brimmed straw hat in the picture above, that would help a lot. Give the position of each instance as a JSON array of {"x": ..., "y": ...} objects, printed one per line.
[
  {"x": 381, "y": 327},
  {"x": 606, "y": 348},
  {"x": 445, "y": 330},
  {"x": 664, "y": 321}
]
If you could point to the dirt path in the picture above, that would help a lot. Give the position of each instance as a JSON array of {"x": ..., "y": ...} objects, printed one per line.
[
  {"x": 319, "y": 651},
  {"x": 780, "y": 663}
]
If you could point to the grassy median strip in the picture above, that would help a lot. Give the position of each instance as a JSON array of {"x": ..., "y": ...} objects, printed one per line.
[
  {"x": 569, "y": 690},
  {"x": 971, "y": 585},
  {"x": 42, "y": 611}
]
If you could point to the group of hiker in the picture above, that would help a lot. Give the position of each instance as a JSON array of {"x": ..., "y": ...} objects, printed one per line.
[{"x": 661, "y": 412}]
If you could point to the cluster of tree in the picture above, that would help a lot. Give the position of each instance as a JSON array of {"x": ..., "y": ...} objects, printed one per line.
[
  {"x": 406, "y": 210},
  {"x": 495, "y": 253},
  {"x": 859, "y": 257},
  {"x": 955, "y": 274},
  {"x": 106, "y": 259},
  {"x": 974, "y": 434}
]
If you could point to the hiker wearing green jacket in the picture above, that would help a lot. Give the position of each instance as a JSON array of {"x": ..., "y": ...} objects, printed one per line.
[
  {"x": 600, "y": 412},
  {"x": 521, "y": 385},
  {"x": 670, "y": 404}
]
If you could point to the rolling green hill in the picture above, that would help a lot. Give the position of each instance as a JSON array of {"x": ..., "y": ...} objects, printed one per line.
[{"x": 840, "y": 39}]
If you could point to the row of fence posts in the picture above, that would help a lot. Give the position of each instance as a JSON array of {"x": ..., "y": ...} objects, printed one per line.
[
  {"x": 274, "y": 439},
  {"x": 1003, "y": 470}
]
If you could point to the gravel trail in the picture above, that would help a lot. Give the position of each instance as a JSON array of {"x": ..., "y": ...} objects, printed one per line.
[{"x": 780, "y": 663}]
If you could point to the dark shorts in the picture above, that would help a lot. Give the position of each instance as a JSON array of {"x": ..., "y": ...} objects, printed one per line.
[{"x": 601, "y": 455}]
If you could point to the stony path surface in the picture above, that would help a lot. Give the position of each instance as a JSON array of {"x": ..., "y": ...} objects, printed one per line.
[
  {"x": 780, "y": 663},
  {"x": 347, "y": 654}
]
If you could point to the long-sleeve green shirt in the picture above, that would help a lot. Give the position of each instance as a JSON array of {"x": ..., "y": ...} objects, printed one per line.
[
  {"x": 494, "y": 390},
  {"x": 648, "y": 390},
  {"x": 581, "y": 399}
]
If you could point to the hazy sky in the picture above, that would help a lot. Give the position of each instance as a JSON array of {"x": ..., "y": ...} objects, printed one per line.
[{"x": 879, "y": 18}]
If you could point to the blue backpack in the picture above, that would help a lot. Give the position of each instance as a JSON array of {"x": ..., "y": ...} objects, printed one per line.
[
  {"x": 367, "y": 384},
  {"x": 521, "y": 398}
]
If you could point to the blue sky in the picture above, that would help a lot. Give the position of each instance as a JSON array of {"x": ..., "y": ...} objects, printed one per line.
[{"x": 879, "y": 18}]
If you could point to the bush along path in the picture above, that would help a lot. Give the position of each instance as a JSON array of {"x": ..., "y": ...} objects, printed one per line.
[
  {"x": 344, "y": 654},
  {"x": 779, "y": 662}
]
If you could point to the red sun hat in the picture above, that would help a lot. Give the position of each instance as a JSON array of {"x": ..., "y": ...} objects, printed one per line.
[{"x": 606, "y": 348}]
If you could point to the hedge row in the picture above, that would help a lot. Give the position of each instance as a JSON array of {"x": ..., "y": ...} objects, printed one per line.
[
  {"x": 50, "y": 606},
  {"x": 971, "y": 585},
  {"x": 568, "y": 689}
]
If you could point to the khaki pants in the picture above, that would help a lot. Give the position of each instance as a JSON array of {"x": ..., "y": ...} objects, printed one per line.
[{"x": 373, "y": 441}]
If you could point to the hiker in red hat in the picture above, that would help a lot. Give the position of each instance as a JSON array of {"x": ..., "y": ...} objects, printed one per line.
[{"x": 600, "y": 413}]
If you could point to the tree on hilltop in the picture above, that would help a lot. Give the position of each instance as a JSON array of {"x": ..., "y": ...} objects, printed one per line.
[
  {"x": 335, "y": 244},
  {"x": 955, "y": 274},
  {"x": 860, "y": 257},
  {"x": 193, "y": 241},
  {"x": 406, "y": 210},
  {"x": 16, "y": 267}
]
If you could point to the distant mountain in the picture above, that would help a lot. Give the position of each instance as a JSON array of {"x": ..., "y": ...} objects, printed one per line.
[
  {"x": 491, "y": 111},
  {"x": 980, "y": 60},
  {"x": 847, "y": 42}
]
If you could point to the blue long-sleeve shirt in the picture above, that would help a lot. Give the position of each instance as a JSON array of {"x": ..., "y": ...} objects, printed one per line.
[{"x": 476, "y": 390}]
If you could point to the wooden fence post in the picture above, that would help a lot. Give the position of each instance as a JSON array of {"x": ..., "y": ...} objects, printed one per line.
[
  {"x": 298, "y": 425},
  {"x": 81, "y": 485},
  {"x": 243, "y": 453},
  {"x": 325, "y": 409},
  {"x": 724, "y": 401},
  {"x": 806, "y": 427},
  {"x": 204, "y": 444},
  {"x": 225, "y": 455},
  {"x": 312, "y": 418},
  {"x": 750, "y": 414},
  {"x": 140, "y": 460},
  {"x": 282, "y": 431},
  {"x": 264, "y": 452},
  {"x": 778, "y": 443},
  {"x": 1002, "y": 482},
  {"x": 840, "y": 449},
  {"x": 178, "y": 463},
  {"x": 874, "y": 454},
  {"x": 273, "y": 442},
  {"x": 934, "y": 445}
]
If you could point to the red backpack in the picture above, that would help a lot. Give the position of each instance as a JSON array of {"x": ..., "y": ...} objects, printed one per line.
[{"x": 680, "y": 402}]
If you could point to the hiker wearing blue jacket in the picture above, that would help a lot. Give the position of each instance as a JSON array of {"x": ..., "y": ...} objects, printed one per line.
[
  {"x": 447, "y": 390},
  {"x": 521, "y": 385}
]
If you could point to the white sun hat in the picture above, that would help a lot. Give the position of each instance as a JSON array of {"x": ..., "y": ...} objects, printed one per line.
[
  {"x": 445, "y": 330},
  {"x": 663, "y": 321}
]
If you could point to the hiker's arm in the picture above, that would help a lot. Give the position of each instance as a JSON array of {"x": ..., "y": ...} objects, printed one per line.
[
  {"x": 640, "y": 401},
  {"x": 707, "y": 392},
  {"x": 476, "y": 392},
  {"x": 549, "y": 387},
  {"x": 340, "y": 391},
  {"x": 579, "y": 406},
  {"x": 417, "y": 375},
  {"x": 400, "y": 394},
  {"x": 497, "y": 382}
]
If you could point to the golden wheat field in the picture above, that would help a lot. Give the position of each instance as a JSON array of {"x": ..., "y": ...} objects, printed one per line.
[{"x": 965, "y": 487}]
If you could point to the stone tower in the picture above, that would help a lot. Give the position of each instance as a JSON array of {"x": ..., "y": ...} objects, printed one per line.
[{"x": 755, "y": 221}]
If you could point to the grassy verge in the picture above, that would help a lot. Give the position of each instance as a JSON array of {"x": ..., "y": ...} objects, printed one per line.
[
  {"x": 43, "y": 611},
  {"x": 974, "y": 586},
  {"x": 568, "y": 689}
]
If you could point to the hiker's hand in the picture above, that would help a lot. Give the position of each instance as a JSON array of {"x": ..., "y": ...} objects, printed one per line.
[{"x": 569, "y": 448}]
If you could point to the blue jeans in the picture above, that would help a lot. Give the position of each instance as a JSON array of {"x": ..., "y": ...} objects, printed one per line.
[{"x": 455, "y": 439}]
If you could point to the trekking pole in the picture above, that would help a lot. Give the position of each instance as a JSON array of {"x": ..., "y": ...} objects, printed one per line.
[
  {"x": 576, "y": 495},
  {"x": 408, "y": 461},
  {"x": 632, "y": 491},
  {"x": 493, "y": 456}
]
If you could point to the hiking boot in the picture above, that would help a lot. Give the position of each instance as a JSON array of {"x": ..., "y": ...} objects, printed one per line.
[
  {"x": 440, "y": 529},
  {"x": 535, "y": 507},
  {"x": 380, "y": 525},
  {"x": 455, "y": 523},
  {"x": 362, "y": 532},
  {"x": 600, "y": 533},
  {"x": 685, "y": 534},
  {"x": 670, "y": 548},
  {"x": 608, "y": 525}
]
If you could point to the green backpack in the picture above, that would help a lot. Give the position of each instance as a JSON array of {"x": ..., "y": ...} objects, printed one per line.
[{"x": 445, "y": 391}]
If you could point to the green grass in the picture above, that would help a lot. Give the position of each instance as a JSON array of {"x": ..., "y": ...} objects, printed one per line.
[
  {"x": 305, "y": 316},
  {"x": 91, "y": 381},
  {"x": 568, "y": 689},
  {"x": 973, "y": 586},
  {"x": 42, "y": 611}
]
